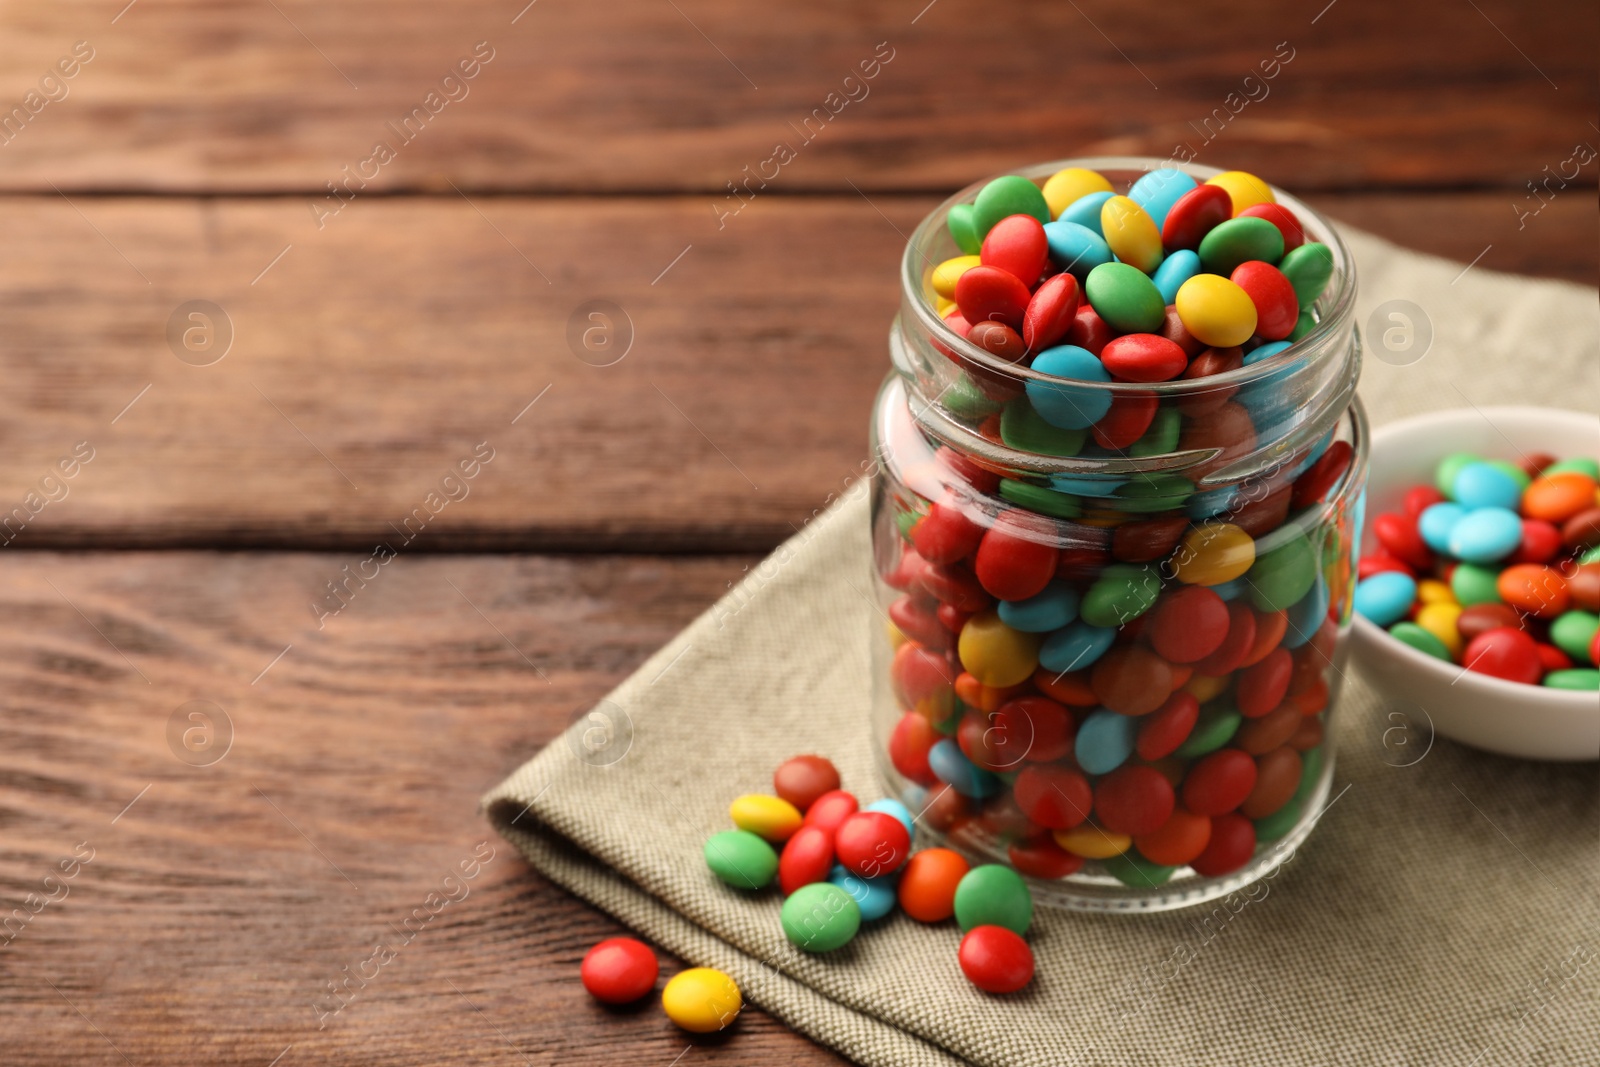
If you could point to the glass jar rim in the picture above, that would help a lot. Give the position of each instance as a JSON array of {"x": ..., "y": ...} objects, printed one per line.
[{"x": 1341, "y": 306}]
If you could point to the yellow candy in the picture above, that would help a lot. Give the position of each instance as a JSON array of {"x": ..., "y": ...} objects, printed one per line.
[
  {"x": 1092, "y": 843},
  {"x": 770, "y": 817},
  {"x": 1433, "y": 591},
  {"x": 941, "y": 305},
  {"x": 1205, "y": 688},
  {"x": 1216, "y": 311},
  {"x": 1439, "y": 619},
  {"x": 896, "y": 638},
  {"x": 1213, "y": 554},
  {"x": 1066, "y": 187},
  {"x": 1244, "y": 189},
  {"x": 701, "y": 1000},
  {"x": 946, "y": 274},
  {"x": 995, "y": 654},
  {"x": 1133, "y": 235}
]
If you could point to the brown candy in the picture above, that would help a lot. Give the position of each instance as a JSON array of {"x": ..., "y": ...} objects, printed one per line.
[
  {"x": 1211, "y": 361},
  {"x": 1277, "y": 777},
  {"x": 1148, "y": 539},
  {"x": 1584, "y": 586},
  {"x": 1582, "y": 531}
]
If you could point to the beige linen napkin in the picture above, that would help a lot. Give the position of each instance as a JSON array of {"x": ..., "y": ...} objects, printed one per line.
[{"x": 1444, "y": 912}]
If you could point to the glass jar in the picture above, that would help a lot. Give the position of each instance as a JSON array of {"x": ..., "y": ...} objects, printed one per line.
[{"x": 1187, "y": 650}]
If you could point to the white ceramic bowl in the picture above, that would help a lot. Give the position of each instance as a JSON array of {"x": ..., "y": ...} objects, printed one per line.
[{"x": 1528, "y": 721}]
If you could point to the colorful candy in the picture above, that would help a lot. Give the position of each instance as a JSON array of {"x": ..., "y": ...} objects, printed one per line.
[
  {"x": 1486, "y": 569},
  {"x": 619, "y": 970},
  {"x": 701, "y": 1000},
  {"x": 995, "y": 959}
]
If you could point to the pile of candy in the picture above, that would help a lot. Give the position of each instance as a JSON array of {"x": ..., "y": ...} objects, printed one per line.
[
  {"x": 1496, "y": 567},
  {"x": 620, "y": 970},
  {"x": 1175, "y": 280},
  {"x": 842, "y": 865}
]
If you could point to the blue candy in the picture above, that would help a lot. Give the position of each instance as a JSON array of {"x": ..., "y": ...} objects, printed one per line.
[
  {"x": 1049, "y": 610},
  {"x": 1211, "y": 502},
  {"x": 1085, "y": 211},
  {"x": 1436, "y": 522},
  {"x": 1266, "y": 351},
  {"x": 897, "y": 809},
  {"x": 875, "y": 896},
  {"x": 1075, "y": 647},
  {"x": 1158, "y": 190},
  {"x": 1105, "y": 741},
  {"x": 1076, "y": 248},
  {"x": 1232, "y": 590},
  {"x": 1486, "y": 535},
  {"x": 1479, "y": 485},
  {"x": 951, "y": 766},
  {"x": 1306, "y": 615},
  {"x": 1385, "y": 597},
  {"x": 1066, "y": 406},
  {"x": 1174, "y": 271}
]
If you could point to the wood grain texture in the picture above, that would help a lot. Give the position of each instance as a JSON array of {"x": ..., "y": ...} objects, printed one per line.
[
  {"x": 380, "y": 350},
  {"x": 217, "y": 907},
  {"x": 205, "y": 96}
]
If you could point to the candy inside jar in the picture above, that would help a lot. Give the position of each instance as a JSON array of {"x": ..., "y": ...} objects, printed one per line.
[{"x": 1115, "y": 511}]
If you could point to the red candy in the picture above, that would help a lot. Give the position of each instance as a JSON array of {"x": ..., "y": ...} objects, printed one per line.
[
  {"x": 807, "y": 857},
  {"x": 955, "y": 584},
  {"x": 1294, "y": 235},
  {"x": 1050, "y": 313},
  {"x": 1044, "y": 728},
  {"x": 1143, "y": 357},
  {"x": 1133, "y": 800},
  {"x": 1017, "y": 245},
  {"x": 1261, "y": 688},
  {"x": 803, "y": 779},
  {"x": 996, "y": 960},
  {"x": 913, "y": 736},
  {"x": 1399, "y": 535},
  {"x": 1053, "y": 796},
  {"x": 1420, "y": 498},
  {"x": 1232, "y": 843},
  {"x": 830, "y": 810},
  {"x": 1219, "y": 782},
  {"x": 872, "y": 844},
  {"x": 619, "y": 970},
  {"x": 1504, "y": 653},
  {"x": 1089, "y": 331},
  {"x": 1041, "y": 857},
  {"x": 1277, "y": 307},
  {"x": 1235, "y": 645},
  {"x": 1321, "y": 476},
  {"x": 1011, "y": 565},
  {"x": 1131, "y": 680},
  {"x": 1188, "y": 624},
  {"x": 1195, "y": 214},
  {"x": 1130, "y": 416},
  {"x": 990, "y": 294},
  {"x": 1169, "y": 726},
  {"x": 944, "y": 534},
  {"x": 1178, "y": 841},
  {"x": 1540, "y": 542}
]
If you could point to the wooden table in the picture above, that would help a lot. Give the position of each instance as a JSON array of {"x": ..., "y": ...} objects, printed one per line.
[{"x": 386, "y": 315}]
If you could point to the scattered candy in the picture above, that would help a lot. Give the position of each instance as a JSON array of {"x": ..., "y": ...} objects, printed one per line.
[
  {"x": 701, "y": 1000},
  {"x": 1487, "y": 569},
  {"x": 619, "y": 970},
  {"x": 995, "y": 959},
  {"x": 820, "y": 917}
]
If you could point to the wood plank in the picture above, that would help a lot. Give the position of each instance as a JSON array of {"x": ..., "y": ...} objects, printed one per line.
[
  {"x": 377, "y": 353},
  {"x": 205, "y": 95},
  {"x": 215, "y": 907}
]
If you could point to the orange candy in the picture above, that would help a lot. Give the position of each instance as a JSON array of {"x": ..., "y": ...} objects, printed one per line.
[
  {"x": 975, "y": 694},
  {"x": 1071, "y": 688},
  {"x": 928, "y": 884},
  {"x": 1534, "y": 588},
  {"x": 1270, "y": 628},
  {"x": 1180, "y": 839},
  {"x": 1558, "y": 497}
]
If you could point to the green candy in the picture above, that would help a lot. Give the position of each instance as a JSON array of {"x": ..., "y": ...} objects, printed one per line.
[
  {"x": 1280, "y": 822},
  {"x": 965, "y": 400},
  {"x": 1444, "y": 476},
  {"x": 1008, "y": 195},
  {"x": 1591, "y": 556},
  {"x": 1572, "y": 631},
  {"x": 1126, "y": 298},
  {"x": 1132, "y": 869},
  {"x": 1215, "y": 727},
  {"x": 1310, "y": 770},
  {"x": 1580, "y": 679},
  {"x": 1473, "y": 584},
  {"x": 1122, "y": 593},
  {"x": 820, "y": 917},
  {"x": 741, "y": 859},
  {"x": 1283, "y": 574},
  {"x": 1308, "y": 269},
  {"x": 1154, "y": 492},
  {"x": 1161, "y": 437},
  {"x": 1022, "y": 428},
  {"x": 993, "y": 895},
  {"x": 1411, "y": 634},
  {"x": 904, "y": 521},
  {"x": 1575, "y": 466},
  {"x": 959, "y": 222},
  {"x": 1512, "y": 471},
  {"x": 1240, "y": 240},
  {"x": 1038, "y": 498},
  {"x": 1302, "y": 326}
]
